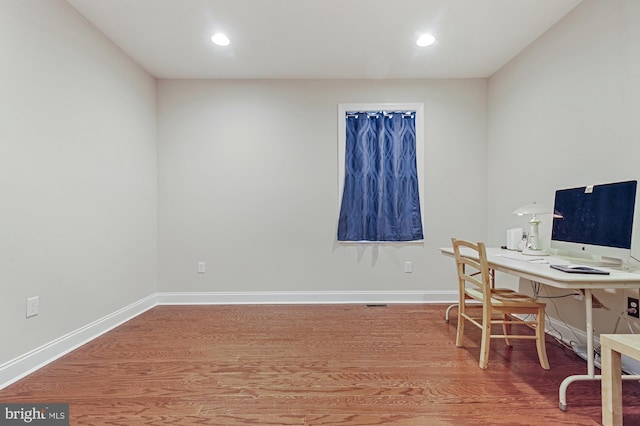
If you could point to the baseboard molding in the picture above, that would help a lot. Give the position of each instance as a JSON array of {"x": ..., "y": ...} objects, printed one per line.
[
  {"x": 575, "y": 337},
  {"x": 304, "y": 297},
  {"x": 14, "y": 370},
  {"x": 22, "y": 366},
  {"x": 564, "y": 332}
]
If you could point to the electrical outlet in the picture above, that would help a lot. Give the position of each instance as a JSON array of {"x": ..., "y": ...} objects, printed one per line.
[
  {"x": 408, "y": 267},
  {"x": 632, "y": 307},
  {"x": 32, "y": 306}
]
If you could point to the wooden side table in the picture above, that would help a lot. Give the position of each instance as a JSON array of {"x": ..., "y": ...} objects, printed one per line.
[{"x": 612, "y": 347}]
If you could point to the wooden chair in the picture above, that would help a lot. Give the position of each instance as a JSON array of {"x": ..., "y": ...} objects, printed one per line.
[{"x": 474, "y": 281}]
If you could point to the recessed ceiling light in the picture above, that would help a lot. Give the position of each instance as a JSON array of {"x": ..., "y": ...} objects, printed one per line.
[
  {"x": 220, "y": 39},
  {"x": 425, "y": 40}
]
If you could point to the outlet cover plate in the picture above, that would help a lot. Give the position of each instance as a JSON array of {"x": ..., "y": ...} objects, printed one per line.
[
  {"x": 633, "y": 310},
  {"x": 33, "y": 306}
]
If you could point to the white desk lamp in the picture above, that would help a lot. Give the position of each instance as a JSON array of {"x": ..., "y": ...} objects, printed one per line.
[{"x": 533, "y": 209}]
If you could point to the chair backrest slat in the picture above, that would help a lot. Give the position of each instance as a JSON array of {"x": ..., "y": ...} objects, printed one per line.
[{"x": 480, "y": 280}]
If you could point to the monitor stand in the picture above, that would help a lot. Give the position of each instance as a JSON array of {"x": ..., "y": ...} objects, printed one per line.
[{"x": 613, "y": 261}]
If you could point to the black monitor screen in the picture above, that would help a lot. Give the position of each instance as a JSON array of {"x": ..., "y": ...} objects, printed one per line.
[{"x": 600, "y": 215}]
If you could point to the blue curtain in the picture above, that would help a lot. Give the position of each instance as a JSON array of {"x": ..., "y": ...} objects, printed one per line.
[{"x": 380, "y": 200}]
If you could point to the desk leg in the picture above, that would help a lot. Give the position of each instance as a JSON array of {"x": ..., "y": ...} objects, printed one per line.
[
  {"x": 588, "y": 302},
  {"x": 611, "y": 387}
]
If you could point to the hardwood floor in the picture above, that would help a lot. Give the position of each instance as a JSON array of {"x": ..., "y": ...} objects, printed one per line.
[{"x": 310, "y": 365}]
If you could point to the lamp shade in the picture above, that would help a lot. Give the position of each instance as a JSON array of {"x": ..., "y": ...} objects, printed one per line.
[{"x": 532, "y": 208}]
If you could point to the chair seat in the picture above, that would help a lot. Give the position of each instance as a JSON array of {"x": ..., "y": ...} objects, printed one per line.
[{"x": 505, "y": 297}]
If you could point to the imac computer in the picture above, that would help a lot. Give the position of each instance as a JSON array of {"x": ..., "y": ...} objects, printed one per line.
[{"x": 595, "y": 222}]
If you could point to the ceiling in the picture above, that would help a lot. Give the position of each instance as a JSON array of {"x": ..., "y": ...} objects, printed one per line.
[{"x": 322, "y": 39}]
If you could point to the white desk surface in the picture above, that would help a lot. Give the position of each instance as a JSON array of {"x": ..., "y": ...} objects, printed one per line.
[{"x": 536, "y": 268}]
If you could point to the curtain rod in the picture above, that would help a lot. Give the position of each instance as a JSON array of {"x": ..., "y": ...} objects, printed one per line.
[{"x": 375, "y": 113}]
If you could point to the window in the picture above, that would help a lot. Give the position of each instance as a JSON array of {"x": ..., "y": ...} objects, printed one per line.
[{"x": 380, "y": 169}]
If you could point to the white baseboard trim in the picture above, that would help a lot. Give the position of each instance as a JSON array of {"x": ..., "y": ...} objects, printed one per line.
[
  {"x": 564, "y": 332},
  {"x": 22, "y": 366},
  {"x": 304, "y": 297},
  {"x": 575, "y": 337}
]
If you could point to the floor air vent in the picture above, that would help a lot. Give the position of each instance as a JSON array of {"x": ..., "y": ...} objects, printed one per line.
[{"x": 376, "y": 305}]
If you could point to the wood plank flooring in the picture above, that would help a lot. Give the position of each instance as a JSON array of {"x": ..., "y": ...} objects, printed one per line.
[{"x": 310, "y": 365}]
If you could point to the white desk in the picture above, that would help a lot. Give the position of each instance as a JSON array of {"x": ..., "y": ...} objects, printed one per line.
[{"x": 543, "y": 274}]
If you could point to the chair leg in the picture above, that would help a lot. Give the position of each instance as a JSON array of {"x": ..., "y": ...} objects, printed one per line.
[
  {"x": 484, "y": 347},
  {"x": 540, "y": 342},
  {"x": 486, "y": 338},
  {"x": 506, "y": 328},
  {"x": 460, "y": 327}
]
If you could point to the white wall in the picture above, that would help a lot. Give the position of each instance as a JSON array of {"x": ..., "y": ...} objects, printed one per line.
[
  {"x": 248, "y": 184},
  {"x": 246, "y": 171},
  {"x": 77, "y": 175},
  {"x": 564, "y": 113}
]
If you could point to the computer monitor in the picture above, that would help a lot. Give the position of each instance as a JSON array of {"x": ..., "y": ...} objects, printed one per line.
[{"x": 595, "y": 221}]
